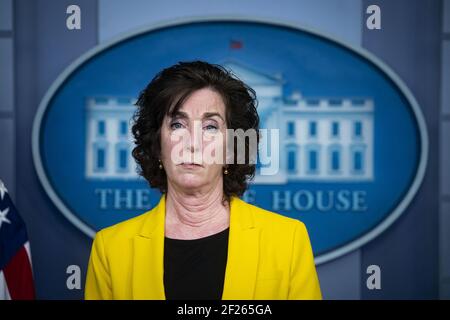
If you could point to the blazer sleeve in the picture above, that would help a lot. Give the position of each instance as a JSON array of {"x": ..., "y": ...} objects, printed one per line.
[
  {"x": 304, "y": 283},
  {"x": 98, "y": 280}
]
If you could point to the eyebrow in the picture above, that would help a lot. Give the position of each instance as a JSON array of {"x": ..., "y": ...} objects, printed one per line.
[{"x": 206, "y": 115}]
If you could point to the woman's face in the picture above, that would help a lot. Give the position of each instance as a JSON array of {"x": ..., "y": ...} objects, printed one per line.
[{"x": 193, "y": 142}]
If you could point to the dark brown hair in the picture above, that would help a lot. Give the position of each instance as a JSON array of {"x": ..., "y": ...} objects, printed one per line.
[{"x": 165, "y": 94}]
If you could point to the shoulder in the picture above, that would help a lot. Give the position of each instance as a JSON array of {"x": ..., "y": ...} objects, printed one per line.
[
  {"x": 274, "y": 221},
  {"x": 125, "y": 229}
]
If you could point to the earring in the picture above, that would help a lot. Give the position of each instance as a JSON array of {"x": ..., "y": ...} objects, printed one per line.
[
  {"x": 226, "y": 171},
  {"x": 160, "y": 164}
]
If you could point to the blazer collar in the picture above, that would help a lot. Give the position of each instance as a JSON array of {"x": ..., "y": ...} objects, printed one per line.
[{"x": 242, "y": 259}]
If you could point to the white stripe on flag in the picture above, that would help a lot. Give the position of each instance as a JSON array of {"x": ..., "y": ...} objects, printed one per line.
[
  {"x": 4, "y": 292},
  {"x": 28, "y": 250}
]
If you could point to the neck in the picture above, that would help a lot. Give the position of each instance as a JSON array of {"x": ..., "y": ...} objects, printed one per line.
[{"x": 195, "y": 214}]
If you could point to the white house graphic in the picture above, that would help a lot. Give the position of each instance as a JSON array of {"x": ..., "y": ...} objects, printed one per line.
[
  {"x": 108, "y": 140},
  {"x": 322, "y": 139}
]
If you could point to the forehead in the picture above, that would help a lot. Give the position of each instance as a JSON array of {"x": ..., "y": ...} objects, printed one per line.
[{"x": 203, "y": 100}]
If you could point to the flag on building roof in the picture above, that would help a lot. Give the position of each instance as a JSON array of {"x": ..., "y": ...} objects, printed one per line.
[{"x": 236, "y": 44}]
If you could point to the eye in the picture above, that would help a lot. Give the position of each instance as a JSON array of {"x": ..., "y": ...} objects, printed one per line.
[
  {"x": 176, "y": 125},
  {"x": 211, "y": 127}
]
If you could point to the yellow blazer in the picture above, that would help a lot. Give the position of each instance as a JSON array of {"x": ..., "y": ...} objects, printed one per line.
[{"x": 269, "y": 257}]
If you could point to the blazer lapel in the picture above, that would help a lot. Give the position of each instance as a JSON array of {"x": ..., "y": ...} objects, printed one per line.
[
  {"x": 243, "y": 253},
  {"x": 148, "y": 261}
]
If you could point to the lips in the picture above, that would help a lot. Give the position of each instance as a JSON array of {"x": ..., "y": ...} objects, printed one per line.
[{"x": 190, "y": 164}]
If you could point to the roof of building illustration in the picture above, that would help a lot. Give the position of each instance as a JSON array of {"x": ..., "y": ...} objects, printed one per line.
[{"x": 250, "y": 75}]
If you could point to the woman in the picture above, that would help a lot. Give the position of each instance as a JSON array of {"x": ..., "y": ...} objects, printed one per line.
[{"x": 201, "y": 241}]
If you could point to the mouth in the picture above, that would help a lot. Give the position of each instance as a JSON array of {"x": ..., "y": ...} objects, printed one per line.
[{"x": 190, "y": 165}]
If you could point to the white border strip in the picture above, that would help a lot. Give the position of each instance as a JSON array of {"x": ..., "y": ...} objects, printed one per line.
[{"x": 362, "y": 52}]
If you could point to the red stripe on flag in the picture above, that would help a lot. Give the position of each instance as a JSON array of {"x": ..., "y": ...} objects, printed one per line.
[{"x": 19, "y": 277}]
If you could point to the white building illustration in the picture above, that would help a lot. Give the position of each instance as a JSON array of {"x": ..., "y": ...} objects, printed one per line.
[
  {"x": 108, "y": 138},
  {"x": 323, "y": 138}
]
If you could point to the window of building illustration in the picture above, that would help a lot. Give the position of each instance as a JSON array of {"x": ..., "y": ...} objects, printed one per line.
[
  {"x": 292, "y": 154},
  {"x": 357, "y": 129},
  {"x": 313, "y": 102},
  {"x": 335, "y": 129},
  {"x": 312, "y": 157},
  {"x": 335, "y": 102},
  {"x": 122, "y": 157},
  {"x": 334, "y": 158},
  {"x": 100, "y": 156},
  {"x": 313, "y": 129},
  {"x": 291, "y": 129},
  {"x": 357, "y": 156},
  {"x": 123, "y": 128},
  {"x": 101, "y": 128}
]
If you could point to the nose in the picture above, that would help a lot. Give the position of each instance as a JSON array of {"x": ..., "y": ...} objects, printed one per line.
[{"x": 196, "y": 137}]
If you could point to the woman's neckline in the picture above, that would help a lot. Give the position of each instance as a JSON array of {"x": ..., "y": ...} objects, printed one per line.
[{"x": 218, "y": 234}]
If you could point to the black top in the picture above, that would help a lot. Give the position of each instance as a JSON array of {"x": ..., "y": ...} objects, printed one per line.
[{"x": 195, "y": 269}]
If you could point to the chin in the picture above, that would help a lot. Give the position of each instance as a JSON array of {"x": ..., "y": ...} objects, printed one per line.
[{"x": 189, "y": 181}]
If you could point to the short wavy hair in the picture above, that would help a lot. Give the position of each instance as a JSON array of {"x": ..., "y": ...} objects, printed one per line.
[{"x": 165, "y": 94}]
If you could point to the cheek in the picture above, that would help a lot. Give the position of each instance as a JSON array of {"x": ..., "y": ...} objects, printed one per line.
[
  {"x": 166, "y": 145},
  {"x": 173, "y": 145},
  {"x": 214, "y": 145}
]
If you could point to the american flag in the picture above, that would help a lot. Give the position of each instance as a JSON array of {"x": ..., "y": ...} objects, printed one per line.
[
  {"x": 236, "y": 44},
  {"x": 16, "y": 278}
]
